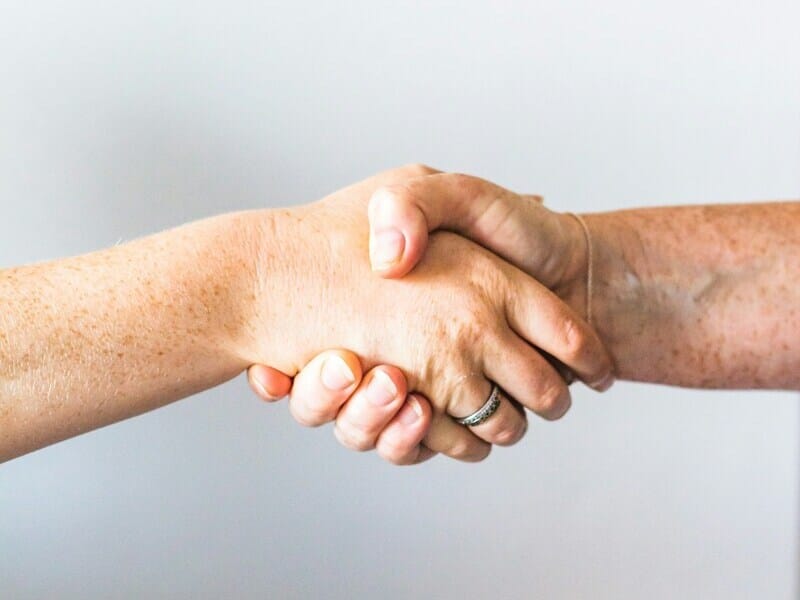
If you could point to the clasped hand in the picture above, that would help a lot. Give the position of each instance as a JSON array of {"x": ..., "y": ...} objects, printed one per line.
[{"x": 495, "y": 300}]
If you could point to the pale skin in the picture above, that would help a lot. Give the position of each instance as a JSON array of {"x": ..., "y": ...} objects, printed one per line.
[
  {"x": 89, "y": 340},
  {"x": 713, "y": 309},
  {"x": 694, "y": 296}
]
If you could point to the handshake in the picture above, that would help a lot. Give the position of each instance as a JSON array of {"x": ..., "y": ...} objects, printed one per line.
[
  {"x": 448, "y": 338},
  {"x": 423, "y": 312}
]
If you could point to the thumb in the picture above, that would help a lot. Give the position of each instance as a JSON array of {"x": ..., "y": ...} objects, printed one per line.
[
  {"x": 401, "y": 217},
  {"x": 398, "y": 232}
]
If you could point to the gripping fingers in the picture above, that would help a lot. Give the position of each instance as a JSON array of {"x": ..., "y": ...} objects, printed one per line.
[
  {"x": 323, "y": 386},
  {"x": 504, "y": 427},
  {"x": 400, "y": 441},
  {"x": 456, "y": 441},
  {"x": 545, "y": 321},
  {"x": 527, "y": 376},
  {"x": 377, "y": 400},
  {"x": 267, "y": 383}
]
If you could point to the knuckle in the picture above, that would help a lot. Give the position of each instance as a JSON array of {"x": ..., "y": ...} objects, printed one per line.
[
  {"x": 472, "y": 319},
  {"x": 354, "y": 439},
  {"x": 307, "y": 421},
  {"x": 391, "y": 195},
  {"x": 551, "y": 404},
  {"x": 467, "y": 184},
  {"x": 382, "y": 195},
  {"x": 481, "y": 454},
  {"x": 509, "y": 435},
  {"x": 573, "y": 339},
  {"x": 395, "y": 455},
  {"x": 473, "y": 331},
  {"x": 459, "y": 450},
  {"x": 489, "y": 278},
  {"x": 307, "y": 417},
  {"x": 469, "y": 451},
  {"x": 396, "y": 460}
]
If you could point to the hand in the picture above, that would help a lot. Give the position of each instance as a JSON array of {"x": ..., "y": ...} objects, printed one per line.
[
  {"x": 555, "y": 400},
  {"x": 394, "y": 430},
  {"x": 548, "y": 246}
]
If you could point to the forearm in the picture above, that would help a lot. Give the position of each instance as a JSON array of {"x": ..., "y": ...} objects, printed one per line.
[
  {"x": 704, "y": 296},
  {"x": 90, "y": 340}
]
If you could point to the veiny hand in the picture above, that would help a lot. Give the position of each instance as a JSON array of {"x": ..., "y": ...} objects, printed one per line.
[{"x": 513, "y": 363}]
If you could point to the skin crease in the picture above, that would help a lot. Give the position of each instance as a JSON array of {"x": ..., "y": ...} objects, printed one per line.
[
  {"x": 90, "y": 340},
  {"x": 698, "y": 296}
]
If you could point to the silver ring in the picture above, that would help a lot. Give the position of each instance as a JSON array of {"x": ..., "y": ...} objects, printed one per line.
[{"x": 484, "y": 412}]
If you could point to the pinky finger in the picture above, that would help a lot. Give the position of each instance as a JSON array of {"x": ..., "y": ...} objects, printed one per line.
[
  {"x": 268, "y": 384},
  {"x": 400, "y": 441}
]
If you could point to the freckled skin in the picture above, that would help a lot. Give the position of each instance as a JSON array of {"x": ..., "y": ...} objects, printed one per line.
[
  {"x": 90, "y": 340},
  {"x": 701, "y": 296},
  {"x": 694, "y": 296},
  {"x": 98, "y": 338}
]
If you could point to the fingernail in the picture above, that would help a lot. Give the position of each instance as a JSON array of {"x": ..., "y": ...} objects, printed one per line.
[
  {"x": 381, "y": 389},
  {"x": 605, "y": 383},
  {"x": 336, "y": 375},
  {"x": 411, "y": 411},
  {"x": 260, "y": 384},
  {"x": 386, "y": 248}
]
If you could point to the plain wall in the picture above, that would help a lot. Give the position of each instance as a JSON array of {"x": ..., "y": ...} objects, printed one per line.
[{"x": 117, "y": 120}]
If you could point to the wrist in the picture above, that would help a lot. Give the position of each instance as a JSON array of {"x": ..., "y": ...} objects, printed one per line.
[
  {"x": 263, "y": 240},
  {"x": 288, "y": 285},
  {"x": 600, "y": 278},
  {"x": 572, "y": 287},
  {"x": 228, "y": 271},
  {"x": 618, "y": 305}
]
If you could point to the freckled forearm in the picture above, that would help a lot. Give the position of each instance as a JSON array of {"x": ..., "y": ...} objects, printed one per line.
[
  {"x": 90, "y": 340},
  {"x": 701, "y": 296}
]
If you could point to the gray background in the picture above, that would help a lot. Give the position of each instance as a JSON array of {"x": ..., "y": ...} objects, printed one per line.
[{"x": 121, "y": 119}]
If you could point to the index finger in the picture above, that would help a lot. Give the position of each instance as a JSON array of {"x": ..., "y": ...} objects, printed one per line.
[{"x": 538, "y": 315}]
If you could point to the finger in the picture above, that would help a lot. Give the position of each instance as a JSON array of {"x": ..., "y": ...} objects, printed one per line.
[
  {"x": 267, "y": 383},
  {"x": 447, "y": 437},
  {"x": 525, "y": 374},
  {"x": 376, "y": 401},
  {"x": 563, "y": 370},
  {"x": 545, "y": 321},
  {"x": 425, "y": 454},
  {"x": 323, "y": 385},
  {"x": 401, "y": 215},
  {"x": 400, "y": 442},
  {"x": 504, "y": 427}
]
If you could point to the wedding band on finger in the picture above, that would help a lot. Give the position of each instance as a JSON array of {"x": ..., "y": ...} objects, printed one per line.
[{"x": 484, "y": 412}]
